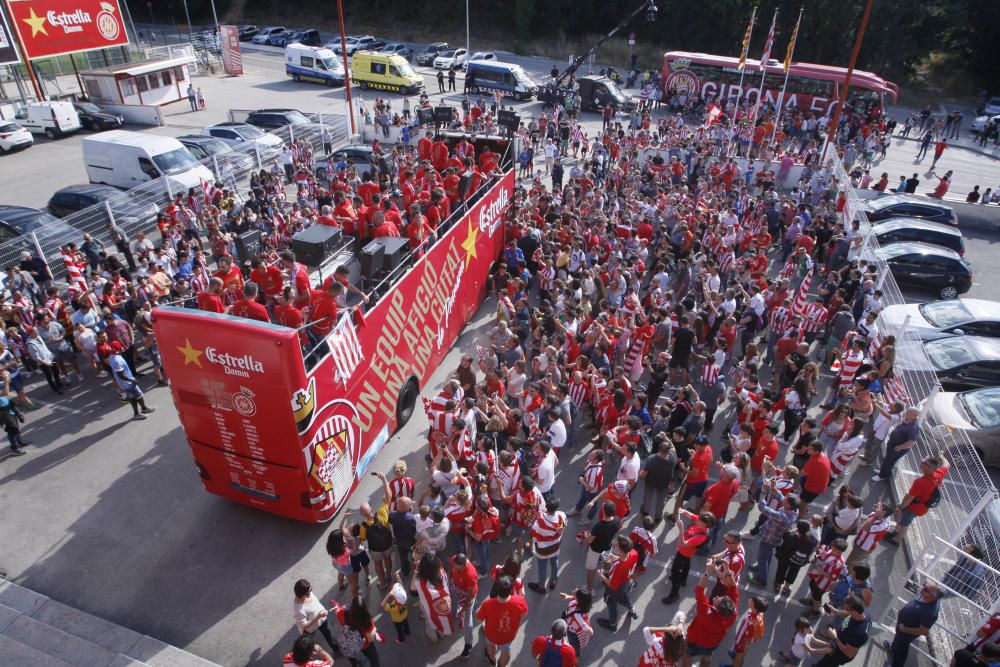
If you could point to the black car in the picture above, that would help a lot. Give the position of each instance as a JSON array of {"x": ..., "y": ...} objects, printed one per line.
[
  {"x": 95, "y": 118},
  {"x": 273, "y": 119},
  {"x": 308, "y": 37},
  {"x": 127, "y": 208},
  {"x": 894, "y": 230},
  {"x": 19, "y": 222},
  {"x": 964, "y": 362},
  {"x": 427, "y": 56},
  {"x": 901, "y": 206},
  {"x": 928, "y": 268},
  {"x": 246, "y": 32},
  {"x": 360, "y": 156}
]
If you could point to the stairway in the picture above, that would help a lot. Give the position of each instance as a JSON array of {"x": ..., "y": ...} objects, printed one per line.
[{"x": 36, "y": 631}]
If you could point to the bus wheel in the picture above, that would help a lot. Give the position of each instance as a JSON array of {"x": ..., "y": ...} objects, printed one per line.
[
  {"x": 296, "y": 78},
  {"x": 362, "y": 85},
  {"x": 475, "y": 90},
  {"x": 406, "y": 402}
]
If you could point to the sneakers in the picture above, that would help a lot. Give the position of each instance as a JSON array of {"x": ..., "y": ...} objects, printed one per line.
[
  {"x": 633, "y": 615},
  {"x": 535, "y": 587},
  {"x": 607, "y": 625},
  {"x": 139, "y": 416},
  {"x": 552, "y": 585},
  {"x": 876, "y": 478},
  {"x": 573, "y": 512},
  {"x": 147, "y": 411},
  {"x": 467, "y": 651},
  {"x": 17, "y": 452}
]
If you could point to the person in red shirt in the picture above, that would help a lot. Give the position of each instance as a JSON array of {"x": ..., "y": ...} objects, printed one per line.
[
  {"x": 501, "y": 617},
  {"x": 323, "y": 310},
  {"x": 464, "y": 588},
  {"x": 556, "y": 643},
  {"x": 306, "y": 652},
  {"x": 248, "y": 306},
  {"x": 765, "y": 446},
  {"x": 298, "y": 277},
  {"x": 618, "y": 582},
  {"x": 344, "y": 213},
  {"x": 210, "y": 300},
  {"x": 268, "y": 278},
  {"x": 417, "y": 230},
  {"x": 914, "y": 503},
  {"x": 697, "y": 469},
  {"x": 688, "y": 542},
  {"x": 380, "y": 226},
  {"x": 232, "y": 278},
  {"x": 717, "y": 499},
  {"x": 815, "y": 476},
  {"x": 367, "y": 188},
  {"x": 286, "y": 314},
  {"x": 425, "y": 145},
  {"x": 711, "y": 621}
]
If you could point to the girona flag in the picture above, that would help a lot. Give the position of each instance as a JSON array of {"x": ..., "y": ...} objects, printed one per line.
[{"x": 801, "y": 294}]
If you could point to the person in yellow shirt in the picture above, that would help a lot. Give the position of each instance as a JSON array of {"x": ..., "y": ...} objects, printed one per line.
[{"x": 395, "y": 603}]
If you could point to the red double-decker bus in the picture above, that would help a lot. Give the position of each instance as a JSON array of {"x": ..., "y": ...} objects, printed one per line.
[
  {"x": 814, "y": 88},
  {"x": 269, "y": 430}
]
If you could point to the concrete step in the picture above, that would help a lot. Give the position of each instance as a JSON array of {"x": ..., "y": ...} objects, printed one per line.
[{"x": 38, "y": 631}]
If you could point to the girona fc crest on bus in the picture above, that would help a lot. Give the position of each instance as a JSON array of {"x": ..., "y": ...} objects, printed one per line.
[
  {"x": 107, "y": 24},
  {"x": 332, "y": 454},
  {"x": 684, "y": 81}
]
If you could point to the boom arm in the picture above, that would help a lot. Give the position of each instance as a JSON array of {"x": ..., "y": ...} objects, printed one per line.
[{"x": 571, "y": 70}]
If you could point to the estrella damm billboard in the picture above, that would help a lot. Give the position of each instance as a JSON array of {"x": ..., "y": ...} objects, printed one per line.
[{"x": 54, "y": 27}]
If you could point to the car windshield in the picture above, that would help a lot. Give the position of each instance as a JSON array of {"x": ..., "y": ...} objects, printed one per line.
[
  {"x": 330, "y": 63},
  {"x": 945, "y": 313},
  {"x": 950, "y": 353},
  {"x": 214, "y": 147},
  {"x": 10, "y": 127},
  {"x": 177, "y": 160},
  {"x": 87, "y": 107},
  {"x": 407, "y": 70},
  {"x": 249, "y": 132},
  {"x": 431, "y": 49},
  {"x": 982, "y": 407},
  {"x": 296, "y": 118},
  {"x": 883, "y": 202},
  {"x": 447, "y": 54}
]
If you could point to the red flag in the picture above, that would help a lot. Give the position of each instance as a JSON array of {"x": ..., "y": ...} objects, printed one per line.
[
  {"x": 712, "y": 117},
  {"x": 801, "y": 294}
]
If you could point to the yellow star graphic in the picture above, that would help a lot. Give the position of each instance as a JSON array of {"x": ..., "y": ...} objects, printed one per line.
[
  {"x": 469, "y": 244},
  {"x": 36, "y": 22},
  {"x": 191, "y": 354}
]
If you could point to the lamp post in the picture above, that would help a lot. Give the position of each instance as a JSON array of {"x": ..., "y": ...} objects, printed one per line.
[
  {"x": 832, "y": 131},
  {"x": 347, "y": 72},
  {"x": 468, "y": 53}
]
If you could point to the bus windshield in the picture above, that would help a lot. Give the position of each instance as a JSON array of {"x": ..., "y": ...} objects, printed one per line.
[{"x": 407, "y": 70}]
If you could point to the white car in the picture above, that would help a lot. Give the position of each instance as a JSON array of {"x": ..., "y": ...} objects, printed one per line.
[
  {"x": 266, "y": 33},
  {"x": 451, "y": 58},
  {"x": 478, "y": 55},
  {"x": 979, "y": 123},
  {"x": 992, "y": 107},
  {"x": 975, "y": 412},
  {"x": 241, "y": 136},
  {"x": 13, "y": 136},
  {"x": 356, "y": 43},
  {"x": 943, "y": 319}
]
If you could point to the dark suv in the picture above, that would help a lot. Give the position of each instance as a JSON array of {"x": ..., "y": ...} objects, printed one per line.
[
  {"x": 18, "y": 223},
  {"x": 128, "y": 209},
  {"x": 901, "y": 206},
  {"x": 928, "y": 268},
  {"x": 308, "y": 37},
  {"x": 273, "y": 119}
]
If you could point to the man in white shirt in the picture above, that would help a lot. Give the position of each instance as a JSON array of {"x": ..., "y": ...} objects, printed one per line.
[
  {"x": 545, "y": 472},
  {"x": 557, "y": 431},
  {"x": 630, "y": 466}
]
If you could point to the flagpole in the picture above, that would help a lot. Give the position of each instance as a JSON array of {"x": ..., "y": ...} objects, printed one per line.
[
  {"x": 746, "y": 46},
  {"x": 788, "y": 69},
  {"x": 765, "y": 57}
]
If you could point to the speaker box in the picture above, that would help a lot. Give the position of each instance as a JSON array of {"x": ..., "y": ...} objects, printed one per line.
[
  {"x": 314, "y": 244},
  {"x": 248, "y": 245},
  {"x": 465, "y": 184},
  {"x": 372, "y": 259},
  {"x": 425, "y": 116},
  {"x": 396, "y": 252},
  {"x": 444, "y": 115}
]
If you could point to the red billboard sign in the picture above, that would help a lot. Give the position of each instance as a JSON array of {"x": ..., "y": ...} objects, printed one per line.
[
  {"x": 53, "y": 27},
  {"x": 266, "y": 432},
  {"x": 232, "y": 59}
]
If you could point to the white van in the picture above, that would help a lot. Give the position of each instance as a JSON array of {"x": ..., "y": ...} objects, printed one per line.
[
  {"x": 313, "y": 63},
  {"x": 126, "y": 159},
  {"x": 53, "y": 119}
]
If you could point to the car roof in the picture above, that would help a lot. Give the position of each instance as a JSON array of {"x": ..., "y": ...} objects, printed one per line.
[
  {"x": 982, "y": 308},
  {"x": 275, "y": 111},
  {"x": 229, "y": 124},
  {"x": 892, "y": 200},
  {"x": 85, "y": 188},
  {"x": 196, "y": 138},
  {"x": 917, "y": 248},
  {"x": 893, "y": 224},
  {"x": 984, "y": 349},
  {"x": 10, "y": 213}
]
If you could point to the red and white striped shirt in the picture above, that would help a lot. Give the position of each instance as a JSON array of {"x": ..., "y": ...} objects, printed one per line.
[
  {"x": 735, "y": 560},
  {"x": 527, "y": 507},
  {"x": 402, "y": 486},
  {"x": 868, "y": 538},
  {"x": 578, "y": 393},
  {"x": 547, "y": 533},
  {"x": 436, "y": 604},
  {"x": 642, "y": 538},
  {"x": 813, "y": 318},
  {"x": 849, "y": 367},
  {"x": 709, "y": 375},
  {"x": 782, "y": 488},
  {"x": 779, "y": 316},
  {"x": 827, "y": 568},
  {"x": 579, "y": 623},
  {"x": 744, "y": 630},
  {"x": 593, "y": 477}
]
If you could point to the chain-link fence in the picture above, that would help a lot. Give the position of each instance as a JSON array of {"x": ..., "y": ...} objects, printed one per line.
[
  {"x": 969, "y": 510},
  {"x": 135, "y": 211}
]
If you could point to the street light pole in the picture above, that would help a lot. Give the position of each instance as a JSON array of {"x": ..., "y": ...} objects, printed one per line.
[
  {"x": 187, "y": 14},
  {"x": 832, "y": 131},
  {"x": 468, "y": 53},
  {"x": 347, "y": 72},
  {"x": 215, "y": 17}
]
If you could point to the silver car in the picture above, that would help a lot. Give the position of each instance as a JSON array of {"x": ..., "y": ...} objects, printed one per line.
[
  {"x": 975, "y": 413},
  {"x": 941, "y": 319}
]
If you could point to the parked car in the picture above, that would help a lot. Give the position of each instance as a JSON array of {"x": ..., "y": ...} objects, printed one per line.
[
  {"x": 95, "y": 118},
  {"x": 13, "y": 136},
  {"x": 243, "y": 135},
  {"x": 18, "y": 222},
  {"x": 966, "y": 362},
  {"x": 979, "y": 122},
  {"x": 484, "y": 56},
  {"x": 992, "y": 107},
  {"x": 928, "y": 268},
  {"x": 266, "y": 34},
  {"x": 273, "y": 119},
  {"x": 308, "y": 37},
  {"x": 399, "y": 49},
  {"x": 976, "y": 413},
  {"x": 358, "y": 155},
  {"x": 357, "y": 43},
  {"x": 916, "y": 229},
  {"x": 126, "y": 206},
  {"x": 451, "y": 58},
  {"x": 246, "y": 32},
  {"x": 430, "y": 52},
  {"x": 942, "y": 319},
  {"x": 899, "y": 206},
  {"x": 53, "y": 119},
  {"x": 204, "y": 148}
]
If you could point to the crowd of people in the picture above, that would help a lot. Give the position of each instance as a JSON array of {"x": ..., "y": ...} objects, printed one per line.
[{"x": 667, "y": 318}]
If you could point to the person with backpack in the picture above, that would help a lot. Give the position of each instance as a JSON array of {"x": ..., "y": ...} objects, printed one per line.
[
  {"x": 924, "y": 494},
  {"x": 376, "y": 530},
  {"x": 794, "y": 552},
  {"x": 358, "y": 634},
  {"x": 12, "y": 418},
  {"x": 554, "y": 650}
]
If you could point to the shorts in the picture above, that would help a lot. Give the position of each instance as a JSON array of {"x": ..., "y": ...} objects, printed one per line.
[
  {"x": 501, "y": 648},
  {"x": 791, "y": 658},
  {"x": 382, "y": 555},
  {"x": 343, "y": 569},
  {"x": 695, "y": 651},
  {"x": 808, "y": 496},
  {"x": 593, "y": 559},
  {"x": 815, "y": 591},
  {"x": 133, "y": 392},
  {"x": 360, "y": 561},
  {"x": 906, "y": 517},
  {"x": 694, "y": 490},
  {"x": 16, "y": 383},
  {"x": 679, "y": 362}
]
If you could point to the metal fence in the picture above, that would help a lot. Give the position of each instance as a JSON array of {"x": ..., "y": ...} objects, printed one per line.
[
  {"x": 969, "y": 511},
  {"x": 133, "y": 211}
]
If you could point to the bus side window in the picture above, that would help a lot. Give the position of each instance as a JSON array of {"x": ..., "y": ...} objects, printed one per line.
[
  {"x": 307, "y": 61},
  {"x": 508, "y": 79},
  {"x": 378, "y": 68}
]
